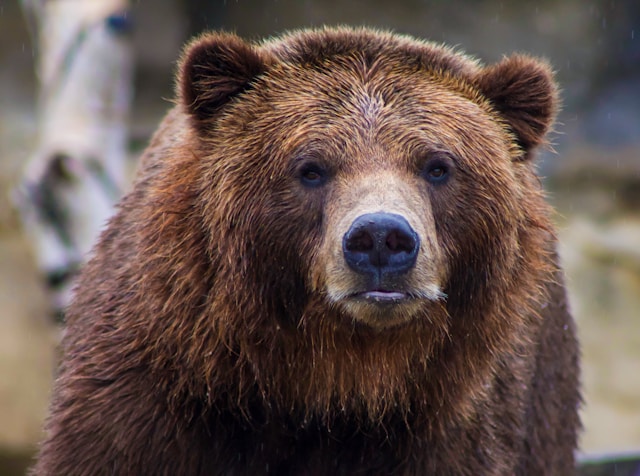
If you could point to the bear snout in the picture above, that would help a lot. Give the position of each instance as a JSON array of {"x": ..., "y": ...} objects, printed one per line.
[{"x": 380, "y": 245}]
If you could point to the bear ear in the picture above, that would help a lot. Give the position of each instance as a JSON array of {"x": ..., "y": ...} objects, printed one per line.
[
  {"x": 214, "y": 68},
  {"x": 522, "y": 89}
]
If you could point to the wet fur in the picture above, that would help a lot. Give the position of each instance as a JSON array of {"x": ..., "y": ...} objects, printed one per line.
[{"x": 203, "y": 340}]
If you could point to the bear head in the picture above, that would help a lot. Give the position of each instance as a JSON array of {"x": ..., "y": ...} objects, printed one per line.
[{"x": 370, "y": 208}]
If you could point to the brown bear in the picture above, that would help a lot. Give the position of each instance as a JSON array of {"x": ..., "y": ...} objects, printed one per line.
[{"x": 336, "y": 259}]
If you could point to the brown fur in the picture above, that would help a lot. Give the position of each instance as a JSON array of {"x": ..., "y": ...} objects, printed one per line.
[{"x": 213, "y": 333}]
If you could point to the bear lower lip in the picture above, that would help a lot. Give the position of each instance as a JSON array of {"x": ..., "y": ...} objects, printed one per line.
[{"x": 382, "y": 297}]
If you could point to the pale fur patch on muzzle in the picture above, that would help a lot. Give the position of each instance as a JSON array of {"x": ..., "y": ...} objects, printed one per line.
[{"x": 387, "y": 193}]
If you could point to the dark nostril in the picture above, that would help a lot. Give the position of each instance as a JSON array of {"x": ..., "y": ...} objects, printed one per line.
[
  {"x": 398, "y": 241},
  {"x": 380, "y": 243},
  {"x": 360, "y": 240}
]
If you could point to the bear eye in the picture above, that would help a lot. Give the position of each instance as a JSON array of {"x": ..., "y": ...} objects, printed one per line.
[
  {"x": 313, "y": 175},
  {"x": 437, "y": 170}
]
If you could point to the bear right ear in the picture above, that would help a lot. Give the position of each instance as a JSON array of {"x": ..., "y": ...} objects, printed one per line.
[{"x": 214, "y": 68}]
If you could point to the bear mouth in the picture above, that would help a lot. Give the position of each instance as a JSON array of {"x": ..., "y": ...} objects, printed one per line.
[{"x": 382, "y": 296}]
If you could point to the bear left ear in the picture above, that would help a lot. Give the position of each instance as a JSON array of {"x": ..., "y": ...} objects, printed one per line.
[
  {"x": 215, "y": 68},
  {"x": 522, "y": 89}
]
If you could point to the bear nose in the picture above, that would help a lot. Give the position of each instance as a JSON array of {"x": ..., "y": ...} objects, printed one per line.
[{"x": 380, "y": 243}]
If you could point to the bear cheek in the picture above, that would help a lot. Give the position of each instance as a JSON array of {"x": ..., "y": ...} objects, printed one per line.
[{"x": 391, "y": 195}]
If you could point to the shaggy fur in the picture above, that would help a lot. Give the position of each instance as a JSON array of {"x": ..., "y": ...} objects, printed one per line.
[{"x": 214, "y": 331}]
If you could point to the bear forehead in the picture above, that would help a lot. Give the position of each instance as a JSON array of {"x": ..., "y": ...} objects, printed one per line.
[
  {"x": 356, "y": 76},
  {"x": 367, "y": 86},
  {"x": 345, "y": 100},
  {"x": 381, "y": 58}
]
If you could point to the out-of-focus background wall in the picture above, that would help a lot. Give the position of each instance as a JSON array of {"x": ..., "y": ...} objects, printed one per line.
[{"x": 593, "y": 177}]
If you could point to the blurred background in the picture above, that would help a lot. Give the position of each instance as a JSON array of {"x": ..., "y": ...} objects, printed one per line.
[{"x": 592, "y": 172}]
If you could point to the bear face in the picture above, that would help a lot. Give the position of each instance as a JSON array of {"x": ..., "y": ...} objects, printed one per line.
[
  {"x": 323, "y": 140},
  {"x": 370, "y": 155}
]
